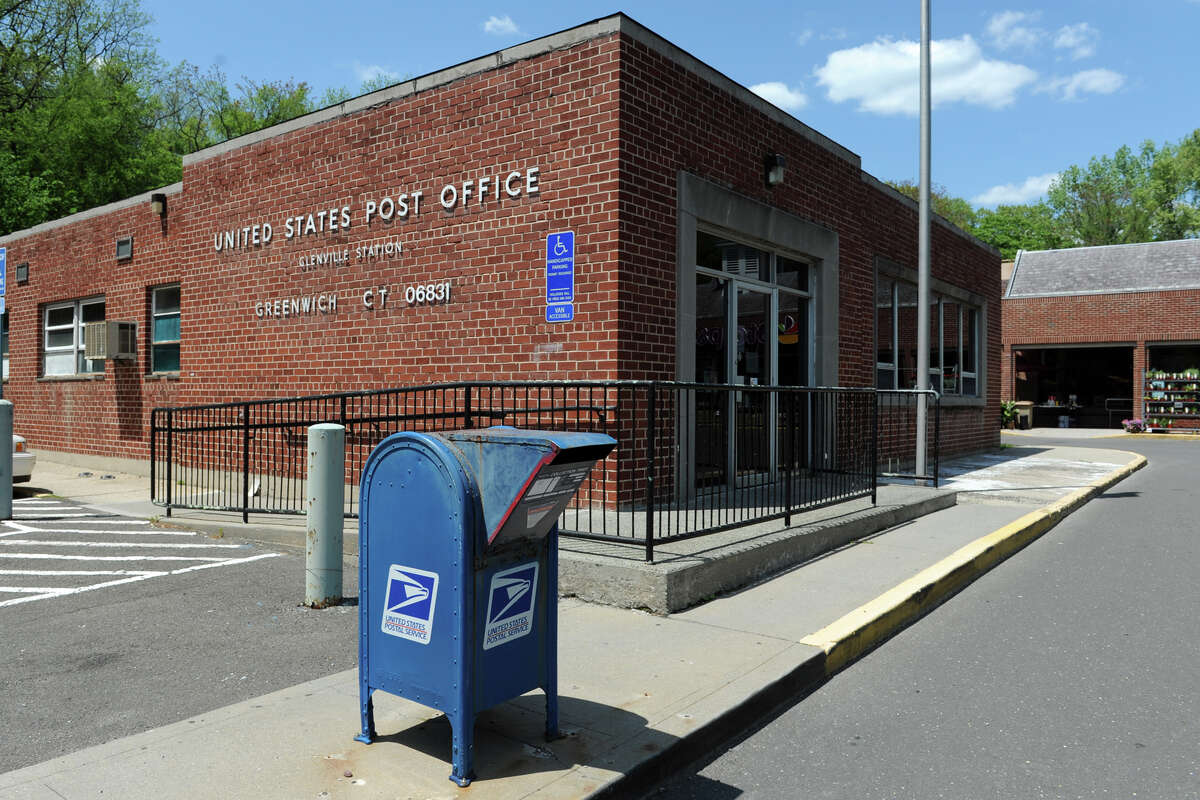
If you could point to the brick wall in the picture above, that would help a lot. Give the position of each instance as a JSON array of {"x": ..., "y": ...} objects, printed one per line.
[{"x": 1133, "y": 318}]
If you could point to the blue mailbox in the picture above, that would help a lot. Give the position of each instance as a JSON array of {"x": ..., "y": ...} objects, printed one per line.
[{"x": 458, "y": 570}]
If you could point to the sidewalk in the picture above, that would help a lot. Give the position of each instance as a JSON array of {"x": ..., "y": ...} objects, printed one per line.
[{"x": 639, "y": 694}]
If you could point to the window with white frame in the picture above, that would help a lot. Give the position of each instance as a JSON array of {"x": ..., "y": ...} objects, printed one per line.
[
  {"x": 953, "y": 340},
  {"x": 62, "y": 336},
  {"x": 164, "y": 328}
]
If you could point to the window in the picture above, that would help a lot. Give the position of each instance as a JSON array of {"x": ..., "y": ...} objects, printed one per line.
[
  {"x": 953, "y": 341},
  {"x": 164, "y": 329},
  {"x": 62, "y": 344}
]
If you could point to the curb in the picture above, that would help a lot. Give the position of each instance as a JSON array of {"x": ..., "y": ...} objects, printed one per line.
[
  {"x": 871, "y": 624},
  {"x": 861, "y": 631}
]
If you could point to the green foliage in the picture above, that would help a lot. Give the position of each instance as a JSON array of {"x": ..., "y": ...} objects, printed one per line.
[
  {"x": 1144, "y": 195},
  {"x": 1008, "y": 412},
  {"x": 89, "y": 114},
  {"x": 1024, "y": 227},
  {"x": 1132, "y": 196},
  {"x": 952, "y": 209}
]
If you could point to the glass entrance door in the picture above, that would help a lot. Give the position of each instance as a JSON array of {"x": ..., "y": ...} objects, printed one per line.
[
  {"x": 752, "y": 329},
  {"x": 753, "y": 365}
]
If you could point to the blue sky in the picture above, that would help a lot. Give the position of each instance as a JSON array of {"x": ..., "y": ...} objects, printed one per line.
[{"x": 1020, "y": 91}]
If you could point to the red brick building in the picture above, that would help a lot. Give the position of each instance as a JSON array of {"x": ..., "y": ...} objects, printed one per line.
[
  {"x": 402, "y": 238},
  {"x": 1101, "y": 334}
]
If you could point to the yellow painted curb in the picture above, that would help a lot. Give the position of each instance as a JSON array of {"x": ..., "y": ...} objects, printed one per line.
[{"x": 870, "y": 624}]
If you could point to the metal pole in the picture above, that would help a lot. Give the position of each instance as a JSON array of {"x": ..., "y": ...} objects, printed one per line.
[
  {"x": 923, "y": 247},
  {"x": 325, "y": 503},
  {"x": 6, "y": 459}
]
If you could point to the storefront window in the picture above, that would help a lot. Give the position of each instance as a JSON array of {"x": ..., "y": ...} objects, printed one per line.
[
  {"x": 164, "y": 329},
  {"x": 62, "y": 324}
]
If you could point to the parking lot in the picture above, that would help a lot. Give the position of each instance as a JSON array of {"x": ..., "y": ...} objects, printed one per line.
[
  {"x": 54, "y": 548},
  {"x": 114, "y": 623}
]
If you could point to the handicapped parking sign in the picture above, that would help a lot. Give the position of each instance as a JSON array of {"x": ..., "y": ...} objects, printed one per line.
[{"x": 560, "y": 268}]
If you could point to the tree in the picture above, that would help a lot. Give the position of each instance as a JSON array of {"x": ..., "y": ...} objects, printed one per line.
[
  {"x": 953, "y": 209},
  {"x": 1020, "y": 227},
  {"x": 1143, "y": 196}
]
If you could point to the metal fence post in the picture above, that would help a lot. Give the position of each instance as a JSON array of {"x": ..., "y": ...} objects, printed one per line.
[
  {"x": 874, "y": 447},
  {"x": 650, "y": 456},
  {"x": 170, "y": 454},
  {"x": 153, "y": 449},
  {"x": 325, "y": 502},
  {"x": 790, "y": 459},
  {"x": 245, "y": 463}
]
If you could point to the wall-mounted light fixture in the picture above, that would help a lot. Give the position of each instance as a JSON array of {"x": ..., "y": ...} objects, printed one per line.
[
  {"x": 774, "y": 164},
  {"x": 158, "y": 203},
  {"x": 22, "y": 271}
]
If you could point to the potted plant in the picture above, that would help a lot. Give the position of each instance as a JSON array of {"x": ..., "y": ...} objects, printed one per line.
[{"x": 1008, "y": 414}]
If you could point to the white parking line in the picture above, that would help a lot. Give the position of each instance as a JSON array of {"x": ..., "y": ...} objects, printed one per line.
[
  {"x": 33, "y": 589},
  {"x": 95, "y": 530},
  {"x": 108, "y": 521},
  {"x": 45, "y": 572},
  {"x": 36, "y": 514},
  {"x": 60, "y": 543},
  {"x": 59, "y": 557},
  {"x": 106, "y": 533},
  {"x": 132, "y": 579}
]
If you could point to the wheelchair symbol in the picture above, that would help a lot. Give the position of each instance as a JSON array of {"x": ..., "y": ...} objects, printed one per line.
[{"x": 560, "y": 249}]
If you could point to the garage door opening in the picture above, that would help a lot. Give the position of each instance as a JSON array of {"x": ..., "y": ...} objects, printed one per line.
[
  {"x": 1089, "y": 387},
  {"x": 1173, "y": 357}
]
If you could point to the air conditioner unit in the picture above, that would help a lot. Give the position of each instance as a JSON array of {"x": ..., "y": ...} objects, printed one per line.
[{"x": 109, "y": 339}]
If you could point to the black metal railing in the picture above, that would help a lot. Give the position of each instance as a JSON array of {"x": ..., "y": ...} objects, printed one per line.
[
  {"x": 898, "y": 412},
  {"x": 690, "y": 459}
]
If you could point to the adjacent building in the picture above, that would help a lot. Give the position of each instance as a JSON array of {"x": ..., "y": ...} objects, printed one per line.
[{"x": 1095, "y": 335}]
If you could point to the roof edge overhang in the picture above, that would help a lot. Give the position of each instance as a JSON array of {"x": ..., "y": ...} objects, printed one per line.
[{"x": 98, "y": 211}]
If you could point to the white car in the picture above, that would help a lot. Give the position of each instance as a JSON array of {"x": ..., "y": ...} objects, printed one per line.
[{"x": 23, "y": 460}]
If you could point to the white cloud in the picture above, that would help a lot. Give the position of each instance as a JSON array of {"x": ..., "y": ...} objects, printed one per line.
[
  {"x": 781, "y": 94},
  {"x": 805, "y": 36},
  {"x": 373, "y": 72},
  {"x": 500, "y": 26},
  {"x": 883, "y": 76},
  {"x": 837, "y": 34},
  {"x": 1012, "y": 194},
  {"x": 1090, "y": 81},
  {"x": 1080, "y": 39},
  {"x": 1010, "y": 29}
]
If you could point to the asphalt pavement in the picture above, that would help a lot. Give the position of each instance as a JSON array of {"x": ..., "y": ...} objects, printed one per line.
[
  {"x": 640, "y": 694},
  {"x": 1070, "y": 672}
]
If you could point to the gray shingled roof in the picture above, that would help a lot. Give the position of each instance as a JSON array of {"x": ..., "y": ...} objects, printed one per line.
[{"x": 1149, "y": 267}]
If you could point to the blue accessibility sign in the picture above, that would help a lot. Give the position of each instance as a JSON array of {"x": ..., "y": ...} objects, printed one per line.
[
  {"x": 560, "y": 267},
  {"x": 408, "y": 607},
  {"x": 560, "y": 312},
  {"x": 510, "y": 605},
  {"x": 3, "y": 269}
]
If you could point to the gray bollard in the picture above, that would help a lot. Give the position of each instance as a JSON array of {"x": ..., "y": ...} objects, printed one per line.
[
  {"x": 6, "y": 467},
  {"x": 326, "y": 499}
]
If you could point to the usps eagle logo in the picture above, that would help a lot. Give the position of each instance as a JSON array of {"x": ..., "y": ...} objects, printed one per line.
[
  {"x": 511, "y": 597},
  {"x": 409, "y": 604}
]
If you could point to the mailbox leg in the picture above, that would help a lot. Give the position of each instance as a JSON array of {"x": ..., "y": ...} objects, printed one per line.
[
  {"x": 551, "y": 606},
  {"x": 463, "y": 754},
  {"x": 368, "y": 717}
]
